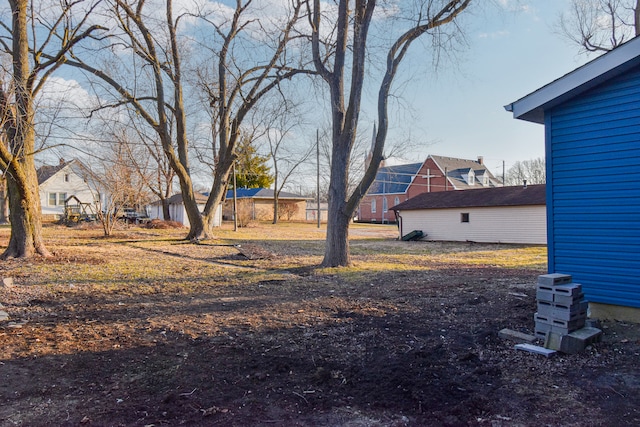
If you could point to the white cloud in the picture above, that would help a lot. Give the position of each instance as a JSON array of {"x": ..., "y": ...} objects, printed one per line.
[{"x": 58, "y": 91}]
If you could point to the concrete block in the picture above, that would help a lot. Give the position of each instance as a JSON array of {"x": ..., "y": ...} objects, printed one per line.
[
  {"x": 541, "y": 335},
  {"x": 553, "y": 341},
  {"x": 559, "y": 330},
  {"x": 554, "y": 279},
  {"x": 567, "y": 299},
  {"x": 544, "y": 293},
  {"x": 572, "y": 325},
  {"x": 535, "y": 349},
  {"x": 571, "y": 312},
  {"x": 545, "y": 308},
  {"x": 577, "y": 341},
  {"x": 543, "y": 328},
  {"x": 593, "y": 323},
  {"x": 509, "y": 334},
  {"x": 539, "y": 318},
  {"x": 573, "y": 290}
]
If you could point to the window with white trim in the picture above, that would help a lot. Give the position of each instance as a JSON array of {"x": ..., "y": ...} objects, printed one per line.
[{"x": 57, "y": 199}]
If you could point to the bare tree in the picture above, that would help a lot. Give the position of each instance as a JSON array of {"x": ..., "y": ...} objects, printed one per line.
[
  {"x": 232, "y": 93},
  {"x": 145, "y": 155},
  {"x": 287, "y": 155},
  {"x": 345, "y": 84},
  {"x": 531, "y": 171},
  {"x": 156, "y": 50},
  {"x": 601, "y": 25},
  {"x": 117, "y": 183},
  {"x": 241, "y": 81},
  {"x": 37, "y": 44}
]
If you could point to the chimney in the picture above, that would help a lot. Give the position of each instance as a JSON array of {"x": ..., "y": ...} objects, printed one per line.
[
  {"x": 481, "y": 160},
  {"x": 524, "y": 181}
]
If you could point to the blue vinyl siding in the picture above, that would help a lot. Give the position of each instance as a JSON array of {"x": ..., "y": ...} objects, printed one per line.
[{"x": 593, "y": 202}]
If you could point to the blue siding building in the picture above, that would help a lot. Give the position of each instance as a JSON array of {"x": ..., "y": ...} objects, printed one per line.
[{"x": 592, "y": 142}]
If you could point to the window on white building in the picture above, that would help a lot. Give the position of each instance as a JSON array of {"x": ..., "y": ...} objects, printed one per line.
[
  {"x": 57, "y": 199},
  {"x": 464, "y": 217}
]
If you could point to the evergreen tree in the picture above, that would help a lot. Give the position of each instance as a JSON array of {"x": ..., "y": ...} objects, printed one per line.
[{"x": 252, "y": 169}]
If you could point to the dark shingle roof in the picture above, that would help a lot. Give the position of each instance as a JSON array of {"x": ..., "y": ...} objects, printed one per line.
[
  {"x": 45, "y": 172},
  {"x": 485, "y": 197},
  {"x": 394, "y": 179}
]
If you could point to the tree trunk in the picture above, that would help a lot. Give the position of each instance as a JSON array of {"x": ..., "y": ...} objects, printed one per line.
[
  {"x": 166, "y": 214},
  {"x": 24, "y": 213},
  {"x": 336, "y": 251},
  {"x": 4, "y": 201},
  {"x": 197, "y": 229},
  {"x": 22, "y": 182},
  {"x": 219, "y": 187}
]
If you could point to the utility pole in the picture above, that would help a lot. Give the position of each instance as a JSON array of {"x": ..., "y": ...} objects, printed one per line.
[
  {"x": 235, "y": 200},
  {"x": 318, "y": 176}
]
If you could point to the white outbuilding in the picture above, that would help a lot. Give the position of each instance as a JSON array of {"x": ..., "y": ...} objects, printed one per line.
[{"x": 492, "y": 215}]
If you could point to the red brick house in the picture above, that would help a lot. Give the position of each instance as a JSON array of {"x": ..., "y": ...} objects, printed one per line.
[{"x": 395, "y": 184}]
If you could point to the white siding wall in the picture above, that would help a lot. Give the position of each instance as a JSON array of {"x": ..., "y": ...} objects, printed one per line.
[
  {"x": 179, "y": 213},
  {"x": 518, "y": 224},
  {"x": 75, "y": 186}
]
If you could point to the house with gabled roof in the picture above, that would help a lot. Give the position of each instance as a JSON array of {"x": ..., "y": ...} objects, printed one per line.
[
  {"x": 259, "y": 202},
  {"x": 66, "y": 183},
  {"x": 396, "y": 184},
  {"x": 592, "y": 133}
]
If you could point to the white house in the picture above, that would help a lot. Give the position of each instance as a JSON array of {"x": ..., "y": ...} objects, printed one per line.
[
  {"x": 68, "y": 181},
  {"x": 492, "y": 215},
  {"x": 177, "y": 211}
]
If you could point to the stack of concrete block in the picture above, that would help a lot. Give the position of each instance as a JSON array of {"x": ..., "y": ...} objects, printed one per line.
[{"x": 562, "y": 308}]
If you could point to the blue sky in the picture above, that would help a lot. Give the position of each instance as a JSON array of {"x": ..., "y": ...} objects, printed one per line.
[{"x": 460, "y": 112}]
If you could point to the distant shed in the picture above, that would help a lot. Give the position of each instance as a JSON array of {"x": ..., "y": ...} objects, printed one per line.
[
  {"x": 178, "y": 212},
  {"x": 491, "y": 215},
  {"x": 592, "y": 140}
]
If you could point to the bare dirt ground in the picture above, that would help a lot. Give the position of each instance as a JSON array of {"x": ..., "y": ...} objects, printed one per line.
[{"x": 145, "y": 330}]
